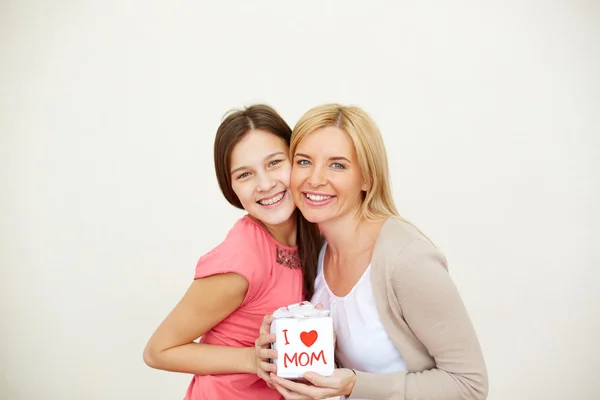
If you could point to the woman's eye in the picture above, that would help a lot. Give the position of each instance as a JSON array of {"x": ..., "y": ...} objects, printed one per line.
[
  {"x": 337, "y": 166},
  {"x": 244, "y": 175},
  {"x": 274, "y": 163},
  {"x": 303, "y": 162}
]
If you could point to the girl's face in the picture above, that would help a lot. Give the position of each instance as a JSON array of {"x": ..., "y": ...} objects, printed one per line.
[
  {"x": 260, "y": 177},
  {"x": 326, "y": 180}
]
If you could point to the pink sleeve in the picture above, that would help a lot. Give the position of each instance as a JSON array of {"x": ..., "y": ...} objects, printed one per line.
[{"x": 239, "y": 254}]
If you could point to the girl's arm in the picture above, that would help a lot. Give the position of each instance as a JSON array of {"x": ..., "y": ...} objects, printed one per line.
[{"x": 206, "y": 303}]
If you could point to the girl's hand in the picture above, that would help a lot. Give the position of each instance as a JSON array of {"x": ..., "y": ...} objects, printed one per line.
[
  {"x": 341, "y": 383},
  {"x": 263, "y": 352}
]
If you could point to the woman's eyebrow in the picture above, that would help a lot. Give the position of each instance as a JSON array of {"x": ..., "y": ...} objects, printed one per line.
[
  {"x": 301, "y": 155},
  {"x": 339, "y": 159}
]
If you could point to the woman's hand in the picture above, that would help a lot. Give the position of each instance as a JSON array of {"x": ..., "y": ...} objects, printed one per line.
[
  {"x": 341, "y": 383},
  {"x": 263, "y": 352}
]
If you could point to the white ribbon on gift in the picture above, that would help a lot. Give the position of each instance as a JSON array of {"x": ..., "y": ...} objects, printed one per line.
[{"x": 300, "y": 310}]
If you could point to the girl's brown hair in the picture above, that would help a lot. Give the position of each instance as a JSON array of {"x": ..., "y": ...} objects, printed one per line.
[{"x": 233, "y": 128}]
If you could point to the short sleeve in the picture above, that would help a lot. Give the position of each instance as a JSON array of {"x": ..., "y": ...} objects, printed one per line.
[{"x": 242, "y": 252}]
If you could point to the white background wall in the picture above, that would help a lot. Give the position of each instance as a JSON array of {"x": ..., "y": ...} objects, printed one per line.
[{"x": 490, "y": 113}]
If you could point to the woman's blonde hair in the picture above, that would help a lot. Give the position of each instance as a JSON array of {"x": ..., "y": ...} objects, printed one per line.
[{"x": 378, "y": 201}]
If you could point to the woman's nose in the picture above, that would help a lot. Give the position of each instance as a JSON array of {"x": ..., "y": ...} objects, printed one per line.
[{"x": 317, "y": 178}]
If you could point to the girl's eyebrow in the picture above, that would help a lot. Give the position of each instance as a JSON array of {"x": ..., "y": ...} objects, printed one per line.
[
  {"x": 238, "y": 169},
  {"x": 266, "y": 158},
  {"x": 274, "y": 154}
]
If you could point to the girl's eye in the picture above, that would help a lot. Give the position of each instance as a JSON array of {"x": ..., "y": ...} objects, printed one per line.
[
  {"x": 337, "y": 166},
  {"x": 274, "y": 163},
  {"x": 303, "y": 162},
  {"x": 244, "y": 175}
]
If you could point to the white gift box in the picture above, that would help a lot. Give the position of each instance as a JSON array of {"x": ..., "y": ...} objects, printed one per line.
[{"x": 304, "y": 341}]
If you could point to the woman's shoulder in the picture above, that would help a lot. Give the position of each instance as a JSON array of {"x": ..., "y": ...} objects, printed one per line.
[
  {"x": 400, "y": 243},
  {"x": 396, "y": 233}
]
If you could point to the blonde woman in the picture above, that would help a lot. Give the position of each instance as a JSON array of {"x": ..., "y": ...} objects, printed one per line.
[{"x": 402, "y": 329}]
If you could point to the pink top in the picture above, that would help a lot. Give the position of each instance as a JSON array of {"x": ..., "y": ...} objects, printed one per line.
[{"x": 274, "y": 280}]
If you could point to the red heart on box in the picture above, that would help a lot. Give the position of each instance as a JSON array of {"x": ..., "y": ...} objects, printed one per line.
[{"x": 309, "y": 338}]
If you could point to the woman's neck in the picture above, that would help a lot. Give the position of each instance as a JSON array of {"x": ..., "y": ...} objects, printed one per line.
[{"x": 350, "y": 235}]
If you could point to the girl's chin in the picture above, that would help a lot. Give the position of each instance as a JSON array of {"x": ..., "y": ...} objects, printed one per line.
[{"x": 275, "y": 217}]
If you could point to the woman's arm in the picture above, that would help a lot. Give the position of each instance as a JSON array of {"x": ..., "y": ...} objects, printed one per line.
[
  {"x": 206, "y": 303},
  {"x": 434, "y": 311}
]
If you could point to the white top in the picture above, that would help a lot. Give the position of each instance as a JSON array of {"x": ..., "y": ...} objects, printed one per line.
[{"x": 362, "y": 341}]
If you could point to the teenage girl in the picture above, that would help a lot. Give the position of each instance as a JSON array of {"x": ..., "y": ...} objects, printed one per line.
[{"x": 267, "y": 260}]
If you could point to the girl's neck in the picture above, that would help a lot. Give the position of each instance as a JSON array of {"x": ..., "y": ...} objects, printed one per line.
[{"x": 285, "y": 232}]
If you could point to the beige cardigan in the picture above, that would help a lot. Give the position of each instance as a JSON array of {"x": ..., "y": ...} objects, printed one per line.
[{"x": 426, "y": 319}]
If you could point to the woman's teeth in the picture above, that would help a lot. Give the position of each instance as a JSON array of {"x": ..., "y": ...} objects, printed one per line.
[
  {"x": 317, "y": 197},
  {"x": 272, "y": 200}
]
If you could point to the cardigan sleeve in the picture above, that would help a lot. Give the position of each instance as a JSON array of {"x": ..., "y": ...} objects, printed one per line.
[{"x": 434, "y": 311}]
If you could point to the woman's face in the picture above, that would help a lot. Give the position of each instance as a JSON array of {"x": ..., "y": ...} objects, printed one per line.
[
  {"x": 326, "y": 180},
  {"x": 260, "y": 177}
]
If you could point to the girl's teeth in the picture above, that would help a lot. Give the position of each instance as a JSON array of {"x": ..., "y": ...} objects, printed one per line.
[
  {"x": 272, "y": 201},
  {"x": 315, "y": 197}
]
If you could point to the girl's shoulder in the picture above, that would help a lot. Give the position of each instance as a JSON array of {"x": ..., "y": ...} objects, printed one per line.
[
  {"x": 249, "y": 236},
  {"x": 245, "y": 246}
]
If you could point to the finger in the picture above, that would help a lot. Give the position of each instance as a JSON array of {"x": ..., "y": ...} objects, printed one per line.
[
  {"x": 266, "y": 324},
  {"x": 265, "y": 339},
  {"x": 267, "y": 380},
  {"x": 267, "y": 366},
  {"x": 288, "y": 395},
  {"x": 267, "y": 354},
  {"x": 265, "y": 376},
  {"x": 260, "y": 345},
  {"x": 257, "y": 345},
  {"x": 300, "y": 388},
  {"x": 319, "y": 306},
  {"x": 319, "y": 380},
  {"x": 283, "y": 391}
]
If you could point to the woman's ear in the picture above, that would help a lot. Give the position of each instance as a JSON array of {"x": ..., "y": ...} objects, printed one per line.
[{"x": 366, "y": 185}]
